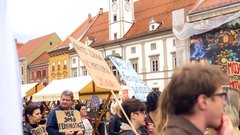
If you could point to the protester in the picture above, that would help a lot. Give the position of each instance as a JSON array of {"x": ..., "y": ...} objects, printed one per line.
[
  {"x": 151, "y": 119},
  {"x": 65, "y": 104},
  {"x": 85, "y": 119},
  {"x": 116, "y": 121},
  {"x": 135, "y": 111},
  {"x": 32, "y": 116},
  {"x": 193, "y": 101}
]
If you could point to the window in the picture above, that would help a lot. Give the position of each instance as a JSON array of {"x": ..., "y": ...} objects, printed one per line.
[
  {"x": 174, "y": 42},
  {"x": 53, "y": 66},
  {"x": 59, "y": 63},
  {"x": 154, "y": 63},
  {"x": 174, "y": 60},
  {"x": 84, "y": 71},
  {"x": 44, "y": 73},
  {"x": 50, "y": 43},
  {"x": 115, "y": 35},
  {"x": 32, "y": 75},
  {"x": 38, "y": 74},
  {"x": 133, "y": 50},
  {"x": 114, "y": 18},
  {"x": 74, "y": 60},
  {"x": 65, "y": 64},
  {"x": 134, "y": 63},
  {"x": 74, "y": 72},
  {"x": 153, "y": 46},
  {"x": 114, "y": 70},
  {"x": 22, "y": 70},
  {"x": 153, "y": 27}
]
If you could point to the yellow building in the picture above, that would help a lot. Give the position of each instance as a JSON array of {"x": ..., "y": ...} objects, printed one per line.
[
  {"x": 28, "y": 52},
  {"x": 59, "y": 63}
]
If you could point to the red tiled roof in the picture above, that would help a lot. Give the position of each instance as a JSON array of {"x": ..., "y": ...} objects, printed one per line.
[
  {"x": 43, "y": 58},
  {"x": 77, "y": 33},
  {"x": 99, "y": 30},
  {"x": 160, "y": 10},
  {"x": 212, "y": 4},
  {"x": 19, "y": 45},
  {"x": 32, "y": 45}
]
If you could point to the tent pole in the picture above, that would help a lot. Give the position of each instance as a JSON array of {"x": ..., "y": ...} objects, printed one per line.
[{"x": 95, "y": 113}]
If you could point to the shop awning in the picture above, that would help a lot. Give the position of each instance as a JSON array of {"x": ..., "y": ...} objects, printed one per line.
[
  {"x": 82, "y": 88},
  {"x": 30, "y": 89}
]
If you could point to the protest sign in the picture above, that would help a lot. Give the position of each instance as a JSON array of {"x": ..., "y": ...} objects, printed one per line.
[
  {"x": 234, "y": 74},
  {"x": 69, "y": 120},
  {"x": 138, "y": 88},
  {"x": 40, "y": 130},
  {"x": 96, "y": 66}
]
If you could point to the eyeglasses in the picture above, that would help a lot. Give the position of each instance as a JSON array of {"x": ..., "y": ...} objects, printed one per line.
[{"x": 223, "y": 95}]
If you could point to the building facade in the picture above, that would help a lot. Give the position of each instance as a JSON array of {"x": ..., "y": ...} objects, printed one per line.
[
  {"x": 38, "y": 70},
  {"x": 139, "y": 32},
  {"x": 33, "y": 49}
]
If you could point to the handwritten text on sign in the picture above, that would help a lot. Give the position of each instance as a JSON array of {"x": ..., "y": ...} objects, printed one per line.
[
  {"x": 96, "y": 66},
  {"x": 234, "y": 74},
  {"x": 69, "y": 120},
  {"x": 138, "y": 88},
  {"x": 39, "y": 131}
]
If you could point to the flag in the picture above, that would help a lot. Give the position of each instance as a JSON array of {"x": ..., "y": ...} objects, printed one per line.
[{"x": 10, "y": 96}]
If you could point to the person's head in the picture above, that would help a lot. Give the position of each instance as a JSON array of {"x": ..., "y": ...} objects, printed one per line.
[
  {"x": 32, "y": 114},
  {"x": 195, "y": 89},
  {"x": 66, "y": 99},
  {"x": 152, "y": 100},
  {"x": 82, "y": 109},
  {"x": 135, "y": 110},
  {"x": 116, "y": 108}
]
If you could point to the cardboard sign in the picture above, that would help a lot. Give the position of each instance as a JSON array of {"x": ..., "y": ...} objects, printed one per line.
[
  {"x": 96, "y": 66},
  {"x": 69, "y": 120},
  {"x": 39, "y": 131},
  {"x": 234, "y": 74},
  {"x": 138, "y": 88}
]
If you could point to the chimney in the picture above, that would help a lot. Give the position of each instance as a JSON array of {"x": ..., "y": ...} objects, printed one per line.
[
  {"x": 89, "y": 16},
  {"x": 101, "y": 11}
]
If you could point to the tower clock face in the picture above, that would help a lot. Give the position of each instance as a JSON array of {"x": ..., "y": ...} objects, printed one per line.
[
  {"x": 127, "y": 6},
  {"x": 114, "y": 7}
]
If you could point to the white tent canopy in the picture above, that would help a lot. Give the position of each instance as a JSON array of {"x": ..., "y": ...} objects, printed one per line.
[
  {"x": 29, "y": 89},
  {"x": 82, "y": 87}
]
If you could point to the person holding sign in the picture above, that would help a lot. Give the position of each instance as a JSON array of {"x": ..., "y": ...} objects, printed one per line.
[
  {"x": 66, "y": 102},
  {"x": 193, "y": 101},
  {"x": 88, "y": 129},
  {"x": 33, "y": 116},
  {"x": 135, "y": 111}
]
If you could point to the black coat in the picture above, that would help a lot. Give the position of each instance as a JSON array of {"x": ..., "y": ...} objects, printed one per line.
[
  {"x": 27, "y": 128},
  {"x": 114, "y": 125}
]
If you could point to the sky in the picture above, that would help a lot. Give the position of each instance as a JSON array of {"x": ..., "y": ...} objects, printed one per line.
[{"x": 31, "y": 19}]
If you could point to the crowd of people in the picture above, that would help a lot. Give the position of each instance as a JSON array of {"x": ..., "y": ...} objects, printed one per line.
[{"x": 193, "y": 103}]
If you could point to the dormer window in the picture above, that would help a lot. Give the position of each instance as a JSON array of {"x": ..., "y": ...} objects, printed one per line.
[
  {"x": 88, "y": 41},
  {"x": 153, "y": 24}
]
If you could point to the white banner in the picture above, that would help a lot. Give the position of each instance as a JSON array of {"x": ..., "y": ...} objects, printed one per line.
[
  {"x": 11, "y": 102},
  {"x": 136, "y": 85}
]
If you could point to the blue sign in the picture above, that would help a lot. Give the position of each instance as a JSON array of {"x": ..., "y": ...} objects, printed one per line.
[{"x": 136, "y": 85}]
